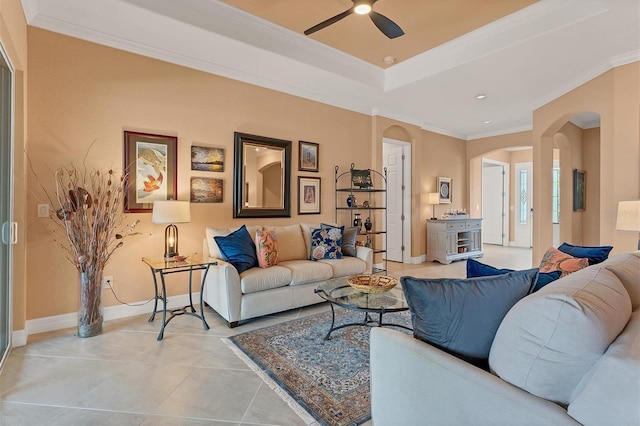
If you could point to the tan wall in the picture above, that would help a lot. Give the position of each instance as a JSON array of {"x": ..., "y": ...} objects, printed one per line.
[
  {"x": 13, "y": 36},
  {"x": 80, "y": 92},
  {"x": 591, "y": 163},
  {"x": 615, "y": 95}
]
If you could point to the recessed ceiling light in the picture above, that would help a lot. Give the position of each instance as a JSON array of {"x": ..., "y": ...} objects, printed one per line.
[
  {"x": 487, "y": 122},
  {"x": 481, "y": 96},
  {"x": 362, "y": 8},
  {"x": 389, "y": 60}
]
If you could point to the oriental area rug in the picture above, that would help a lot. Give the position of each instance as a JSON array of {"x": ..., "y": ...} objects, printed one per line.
[{"x": 325, "y": 381}]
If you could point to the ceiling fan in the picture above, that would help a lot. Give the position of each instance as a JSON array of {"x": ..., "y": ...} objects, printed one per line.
[{"x": 363, "y": 7}]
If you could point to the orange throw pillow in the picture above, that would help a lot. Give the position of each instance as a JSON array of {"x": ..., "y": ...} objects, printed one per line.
[
  {"x": 266, "y": 247},
  {"x": 555, "y": 260}
]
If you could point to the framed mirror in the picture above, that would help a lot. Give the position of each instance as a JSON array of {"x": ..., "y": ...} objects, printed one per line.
[{"x": 261, "y": 176}]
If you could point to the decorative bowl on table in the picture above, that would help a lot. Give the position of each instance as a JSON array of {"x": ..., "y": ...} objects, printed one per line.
[{"x": 372, "y": 283}]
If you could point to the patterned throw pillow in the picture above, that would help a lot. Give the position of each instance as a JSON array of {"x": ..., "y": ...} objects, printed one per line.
[
  {"x": 266, "y": 247},
  {"x": 326, "y": 243},
  {"x": 555, "y": 260}
]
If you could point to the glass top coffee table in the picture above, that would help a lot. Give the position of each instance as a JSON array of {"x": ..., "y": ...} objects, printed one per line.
[{"x": 338, "y": 292}]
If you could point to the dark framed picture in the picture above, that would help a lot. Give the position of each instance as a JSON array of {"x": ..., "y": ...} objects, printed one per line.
[
  {"x": 152, "y": 165},
  {"x": 309, "y": 154},
  {"x": 579, "y": 190},
  {"x": 206, "y": 190},
  {"x": 444, "y": 189},
  {"x": 308, "y": 195},
  {"x": 361, "y": 178},
  {"x": 206, "y": 159}
]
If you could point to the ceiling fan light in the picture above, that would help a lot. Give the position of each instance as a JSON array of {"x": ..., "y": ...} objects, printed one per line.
[{"x": 362, "y": 8}]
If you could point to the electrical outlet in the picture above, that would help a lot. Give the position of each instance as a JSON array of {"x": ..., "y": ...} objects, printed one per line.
[{"x": 107, "y": 282}]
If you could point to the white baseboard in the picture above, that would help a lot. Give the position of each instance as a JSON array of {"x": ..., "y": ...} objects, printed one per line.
[
  {"x": 417, "y": 260},
  {"x": 58, "y": 322}
]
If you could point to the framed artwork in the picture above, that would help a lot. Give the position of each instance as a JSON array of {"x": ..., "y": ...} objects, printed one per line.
[
  {"x": 206, "y": 190},
  {"x": 205, "y": 159},
  {"x": 309, "y": 154},
  {"x": 151, "y": 162},
  {"x": 361, "y": 178},
  {"x": 308, "y": 195},
  {"x": 444, "y": 190},
  {"x": 579, "y": 190}
]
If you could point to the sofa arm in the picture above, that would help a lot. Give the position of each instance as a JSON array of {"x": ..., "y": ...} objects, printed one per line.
[
  {"x": 413, "y": 383},
  {"x": 366, "y": 254},
  {"x": 222, "y": 291}
]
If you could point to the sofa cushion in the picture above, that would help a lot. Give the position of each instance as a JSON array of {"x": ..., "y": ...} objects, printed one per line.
[
  {"x": 609, "y": 394},
  {"x": 349, "y": 237},
  {"x": 555, "y": 260},
  {"x": 627, "y": 268},
  {"x": 258, "y": 279},
  {"x": 307, "y": 271},
  {"x": 461, "y": 316},
  {"x": 266, "y": 247},
  {"x": 306, "y": 234},
  {"x": 345, "y": 266},
  {"x": 551, "y": 338},
  {"x": 478, "y": 269},
  {"x": 594, "y": 254},
  {"x": 326, "y": 243},
  {"x": 214, "y": 251},
  {"x": 290, "y": 243},
  {"x": 238, "y": 249}
]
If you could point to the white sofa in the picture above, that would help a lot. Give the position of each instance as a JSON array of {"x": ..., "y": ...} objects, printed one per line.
[
  {"x": 567, "y": 354},
  {"x": 289, "y": 284}
]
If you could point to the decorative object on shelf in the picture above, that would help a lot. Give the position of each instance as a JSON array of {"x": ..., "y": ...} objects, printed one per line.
[
  {"x": 171, "y": 212},
  {"x": 308, "y": 156},
  {"x": 89, "y": 212},
  {"x": 361, "y": 178},
  {"x": 308, "y": 195},
  {"x": 579, "y": 190},
  {"x": 444, "y": 190},
  {"x": 206, "y": 159},
  {"x": 365, "y": 204},
  {"x": 628, "y": 217},
  {"x": 351, "y": 201},
  {"x": 357, "y": 222},
  {"x": 434, "y": 199},
  {"x": 369, "y": 283},
  {"x": 368, "y": 224},
  {"x": 367, "y": 243},
  {"x": 152, "y": 164},
  {"x": 206, "y": 190}
]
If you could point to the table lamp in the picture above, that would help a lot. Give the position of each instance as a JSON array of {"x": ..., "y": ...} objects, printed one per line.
[
  {"x": 628, "y": 217},
  {"x": 171, "y": 212},
  {"x": 434, "y": 198}
]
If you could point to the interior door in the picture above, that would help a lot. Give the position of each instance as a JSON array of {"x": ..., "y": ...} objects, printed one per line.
[
  {"x": 6, "y": 208},
  {"x": 493, "y": 204},
  {"x": 523, "y": 206},
  {"x": 395, "y": 182}
]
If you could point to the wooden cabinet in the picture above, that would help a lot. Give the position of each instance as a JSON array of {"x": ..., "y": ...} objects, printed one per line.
[{"x": 453, "y": 239}]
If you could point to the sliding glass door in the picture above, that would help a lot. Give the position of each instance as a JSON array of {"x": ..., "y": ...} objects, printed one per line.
[{"x": 6, "y": 207}]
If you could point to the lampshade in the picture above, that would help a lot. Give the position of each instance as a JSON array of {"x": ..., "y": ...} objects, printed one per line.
[
  {"x": 434, "y": 198},
  {"x": 171, "y": 211},
  {"x": 628, "y": 217}
]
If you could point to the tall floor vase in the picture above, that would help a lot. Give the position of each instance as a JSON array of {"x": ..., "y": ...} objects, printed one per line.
[{"x": 90, "y": 309}]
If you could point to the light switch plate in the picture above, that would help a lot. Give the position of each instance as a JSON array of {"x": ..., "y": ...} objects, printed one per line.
[{"x": 43, "y": 210}]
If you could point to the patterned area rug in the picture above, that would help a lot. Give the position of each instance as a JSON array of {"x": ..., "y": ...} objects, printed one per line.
[{"x": 328, "y": 379}]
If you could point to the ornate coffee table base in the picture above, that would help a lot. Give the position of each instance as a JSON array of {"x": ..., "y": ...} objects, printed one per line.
[{"x": 368, "y": 321}]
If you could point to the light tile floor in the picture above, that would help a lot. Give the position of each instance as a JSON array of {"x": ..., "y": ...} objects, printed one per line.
[{"x": 126, "y": 377}]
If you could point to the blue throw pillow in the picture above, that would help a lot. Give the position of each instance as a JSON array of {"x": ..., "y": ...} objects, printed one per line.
[
  {"x": 595, "y": 255},
  {"x": 461, "y": 316},
  {"x": 326, "y": 243},
  {"x": 238, "y": 249},
  {"x": 478, "y": 269}
]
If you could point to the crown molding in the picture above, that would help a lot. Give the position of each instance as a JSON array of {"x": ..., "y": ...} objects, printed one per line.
[{"x": 501, "y": 132}]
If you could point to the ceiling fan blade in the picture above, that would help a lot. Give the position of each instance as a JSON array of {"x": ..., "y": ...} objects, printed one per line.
[
  {"x": 328, "y": 22},
  {"x": 386, "y": 25}
]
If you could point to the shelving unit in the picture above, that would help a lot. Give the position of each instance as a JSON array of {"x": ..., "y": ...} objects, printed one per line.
[
  {"x": 454, "y": 239},
  {"x": 375, "y": 207}
]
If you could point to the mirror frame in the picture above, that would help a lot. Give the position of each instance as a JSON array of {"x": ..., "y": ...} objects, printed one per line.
[{"x": 239, "y": 209}]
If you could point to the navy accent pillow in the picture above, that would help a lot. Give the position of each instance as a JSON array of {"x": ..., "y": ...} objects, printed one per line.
[
  {"x": 478, "y": 269},
  {"x": 238, "y": 249},
  {"x": 461, "y": 316},
  {"x": 326, "y": 242},
  {"x": 595, "y": 254}
]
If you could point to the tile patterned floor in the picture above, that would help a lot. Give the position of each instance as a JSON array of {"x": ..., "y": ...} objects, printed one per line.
[{"x": 126, "y": 377}]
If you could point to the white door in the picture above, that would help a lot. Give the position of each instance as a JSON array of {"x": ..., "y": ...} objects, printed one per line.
[
  {"x": 523, "y": 206},
  {"x": 493, "y": 203},
  {"x": 398, "y": 192}
]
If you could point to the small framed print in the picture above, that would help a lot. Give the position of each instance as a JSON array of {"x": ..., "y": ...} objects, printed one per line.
[
  {"x": 206, "y": 190},
  {"x": 151, "y": 162},
  {"x": 308, "y": 195},
  {"x": 444, "y": 190},
  {"x": 309, "y": 153},
  {"x": 361, "y": 178},
  {"x": 206, "y": 159},
  {"x": 579, "y": 190}
]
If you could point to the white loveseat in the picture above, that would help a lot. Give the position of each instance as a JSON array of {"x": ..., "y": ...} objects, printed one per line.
[
  {"x": 289, "y": 284},
  {"x": 567, "y": 354}
]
